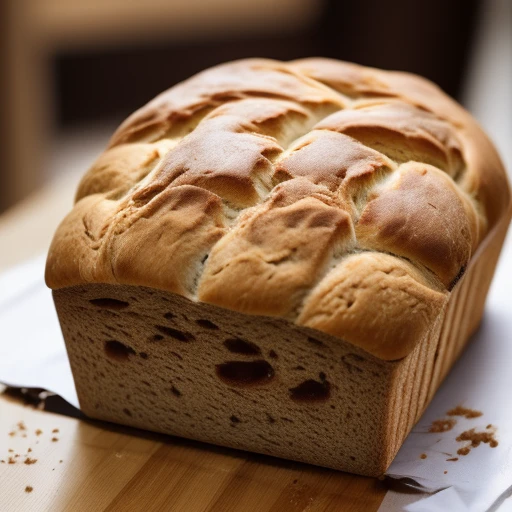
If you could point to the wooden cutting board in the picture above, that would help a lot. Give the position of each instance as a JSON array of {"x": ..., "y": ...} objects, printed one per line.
[{"x": 58, "y": 463}]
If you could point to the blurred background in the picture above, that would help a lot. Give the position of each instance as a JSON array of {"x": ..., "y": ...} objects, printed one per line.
[{"x": 71, "y": 71}]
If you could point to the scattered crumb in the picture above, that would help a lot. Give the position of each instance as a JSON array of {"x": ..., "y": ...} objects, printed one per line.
[
  {"x": 463, "y": 411},
  {"x": 443, "y": 425},
  {"x": 60, "y": 461},
  {"x": 21, "y": 425},
  {"x": 445, "y": 472},
  {"x": 24, "y": 435},
  {"x": 39, "y": 432},
  {"x": 423, "y": 456},
  {"x": 454, "y": 459},
  {"x": 17, "y": 455},
  {"x": 475, "y": 439},
  {"x": 11, "y": 460},
  {"x": 12, "y": 434},
  {"x": 55, "y": 431},
  {"x": 10, "y": 450},
  {"x": 2, "y": 461},
  {"x": 448, "y": 454},
  {"x": 55, "y": 439},
  {"x": 29, "y": 488},
  {"x": 29, "y": 450},
  {"x": 489, "y": 426},
  {"x": 28, "y": 461}
]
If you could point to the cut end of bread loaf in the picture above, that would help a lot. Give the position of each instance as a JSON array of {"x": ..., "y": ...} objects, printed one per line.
[
  {"x": 341, "y": 198},
  {"x": 272, "y": 388}
]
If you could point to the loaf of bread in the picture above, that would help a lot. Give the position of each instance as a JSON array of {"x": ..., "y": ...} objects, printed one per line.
[{"x": 278, "y": 257}]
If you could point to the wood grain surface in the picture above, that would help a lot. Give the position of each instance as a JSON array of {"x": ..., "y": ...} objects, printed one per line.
[{"x": 71, "y": 464}]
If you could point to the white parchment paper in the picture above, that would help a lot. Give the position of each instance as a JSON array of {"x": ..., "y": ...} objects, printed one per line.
[{"x": 32, "y": 351}]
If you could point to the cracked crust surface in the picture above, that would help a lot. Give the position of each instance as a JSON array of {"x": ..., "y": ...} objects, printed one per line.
[{"x": 342, "y": 198}]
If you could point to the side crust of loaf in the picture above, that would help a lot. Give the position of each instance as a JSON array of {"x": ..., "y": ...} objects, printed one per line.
[{"x": 147, "y": 356}]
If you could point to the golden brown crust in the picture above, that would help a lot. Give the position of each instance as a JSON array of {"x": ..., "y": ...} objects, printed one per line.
[
  {"x": 404, "y": 304},
  {"x": 275, "y": 254},
  {"x": 292, "y": 189},
  {"x": 421, "y": 217}
]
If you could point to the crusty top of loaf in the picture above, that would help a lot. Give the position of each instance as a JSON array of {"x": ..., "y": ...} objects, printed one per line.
[{"x": 343, "y": 198}]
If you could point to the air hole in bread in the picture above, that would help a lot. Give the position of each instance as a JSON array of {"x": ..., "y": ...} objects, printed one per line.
[
  {"x": 272, "y": 354},
  {"x": 109, "y": 303},
  {"x": 240, "y": 346},
  {"x": 175, "y": 391},
  {"x": 351, "y": 363},
  {"x": 157, "y": 337},
  {"x": 174, "y": 333},
  {"x": 315, "y": 341},
  {"x": 206, "y": 324},
  {"x": 118, "y": 351},
  {"x": 127, "y": 412},
  {"x": 311, "y": 391},
  {"x": 245, "y": 373},
  {"x": 143, "y": 355},
  {"x": 168, "y": 316},
  {"x": 270, "y": 418},
  {"x": 234, "y": 419}
]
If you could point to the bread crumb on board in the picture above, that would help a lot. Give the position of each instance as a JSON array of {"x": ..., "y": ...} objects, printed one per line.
[
  {"x": 16, "y": 457},
  {"x": 29, "y": 488}
]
